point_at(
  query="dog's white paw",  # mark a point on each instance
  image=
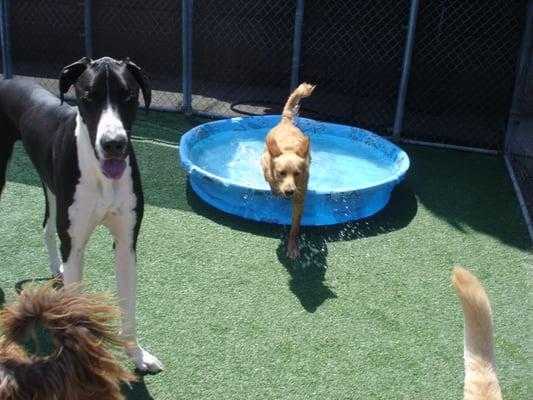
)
(143, 360)
(57, 271)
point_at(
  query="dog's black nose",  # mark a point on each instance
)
(289, 193)
(113, 147)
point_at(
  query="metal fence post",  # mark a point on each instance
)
(521, 67)
(406, 66)
(297, 44)
(187, 11)
(5, 39)
(88, 17)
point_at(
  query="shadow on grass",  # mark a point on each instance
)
(2, 298)
(469, 192)
(308, 271)
(19, 286)
(136, 390)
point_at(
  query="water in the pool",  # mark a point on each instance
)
(336, 164)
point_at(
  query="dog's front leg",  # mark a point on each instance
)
(72, 266)
(126, 273)
(292, 245)
(74, 231)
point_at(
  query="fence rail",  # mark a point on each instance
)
(439, 71)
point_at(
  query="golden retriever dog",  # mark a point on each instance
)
(286, 162)
(81, 367)
(481, 382)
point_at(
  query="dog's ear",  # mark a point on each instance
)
(71, 73)
(303, 149)
(273, 147)
(141, 79)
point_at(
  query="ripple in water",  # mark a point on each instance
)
(337, 163)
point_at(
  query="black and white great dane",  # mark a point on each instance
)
(87, 166)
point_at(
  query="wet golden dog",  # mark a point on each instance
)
(286, 162)
(481, 382)
(82, 367)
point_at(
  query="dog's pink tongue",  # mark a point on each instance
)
(113, 168)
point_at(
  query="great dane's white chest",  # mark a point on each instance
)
(101, 198)
(98, 199)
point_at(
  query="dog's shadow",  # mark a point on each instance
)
(308, 271)
(19, 286)
(136, 390)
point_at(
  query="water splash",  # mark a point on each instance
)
(337, 163)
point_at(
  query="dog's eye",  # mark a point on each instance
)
(296, 173)
(283, 173)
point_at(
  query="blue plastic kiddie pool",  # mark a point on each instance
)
(353, 171)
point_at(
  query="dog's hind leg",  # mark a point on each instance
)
(8, 136)
(6, 149)
(7, 142)
(49, 226)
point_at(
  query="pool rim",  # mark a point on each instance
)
(392, 180)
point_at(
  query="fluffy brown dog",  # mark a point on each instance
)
(81, 367)
(286, 162)
(481, 382)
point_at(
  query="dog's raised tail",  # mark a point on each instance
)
(293, 102)
(83, 331)
(481, 381)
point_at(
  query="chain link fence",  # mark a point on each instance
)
(147, 31)
(461, 76)
(462, 73)
(354, 51)
(241, 56)
(45, 36)
(457, 66)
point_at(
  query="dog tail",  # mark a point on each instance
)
(481, 381)
(293, 102)
(82, 329)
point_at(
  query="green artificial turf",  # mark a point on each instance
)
(367, 313)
